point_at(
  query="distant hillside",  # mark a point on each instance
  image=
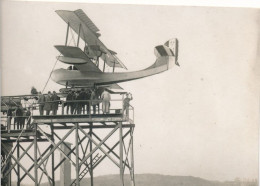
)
(154, 180)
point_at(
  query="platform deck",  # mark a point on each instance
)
(79, 118)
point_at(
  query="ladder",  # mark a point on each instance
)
(86, 169)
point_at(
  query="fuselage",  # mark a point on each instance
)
(84, 78)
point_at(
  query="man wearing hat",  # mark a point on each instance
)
(105, 96)
(82, 96)
(55, 103)
(77, 103)
(69, 104)
(126, 103)
(19, 114)
(48, 104)
(41, 102)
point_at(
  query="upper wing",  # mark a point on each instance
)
(88, 31)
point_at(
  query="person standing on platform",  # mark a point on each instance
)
(105, 96)
(19, 114)
(69, 104)
(82, 96)
(55, 104)
(98, 95)
(92, 98)
(15, 120)
(126, 104)
(88, 97)
(41, 102)
(23, 118)
(9, 117)
(74, 104)
(28, 118)
(48, 104)
(77, 103)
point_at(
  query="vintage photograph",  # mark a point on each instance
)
(130, 95)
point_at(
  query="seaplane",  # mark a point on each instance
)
(85, 69)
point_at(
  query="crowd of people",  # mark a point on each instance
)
(80, 102)
(49, 103)
(21, 117)
(77, 102)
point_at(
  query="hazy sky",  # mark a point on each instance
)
(199, 119)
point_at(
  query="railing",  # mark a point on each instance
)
(80, 107)
(19, 123)
(76, 107)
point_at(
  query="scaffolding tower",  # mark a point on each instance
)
(22, 150)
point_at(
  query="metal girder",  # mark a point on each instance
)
(44, 168)
(52, 157)
(24, 140)
(71, 151)
(56, 146)
(112, 148)
(91, 157)
(127, 164)
(18, 167)
(35, 157)
(18, 138)
(98, 146)
(77, 153)
(41, 162)
(17, 161)
(33, 164)
(127, 152)
(132, 158)
(95, 126)
(121, 153)
(81, 119)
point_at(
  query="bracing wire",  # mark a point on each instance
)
(50, 74)
(73, 37)
(56, 62)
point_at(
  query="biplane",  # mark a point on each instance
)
(87, 70)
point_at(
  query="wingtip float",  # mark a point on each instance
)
(88, 70)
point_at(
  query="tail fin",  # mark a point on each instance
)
(166, 54)
(173, 44)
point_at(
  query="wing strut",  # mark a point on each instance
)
(104, 66)
(114, 66)
(67, 34)
(79, 35)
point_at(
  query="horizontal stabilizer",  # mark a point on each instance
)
(163, 50)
